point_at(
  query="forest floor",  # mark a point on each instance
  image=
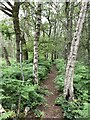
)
(50, 109)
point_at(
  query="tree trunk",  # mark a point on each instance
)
(6, 56)
(88, 41)
(19, 37)
(55, 55)
(13, 11)
(46, 56)
(24, 49)
(68, 39)
(16, 29)
(68, 83)
(52, 56)
(37, 35)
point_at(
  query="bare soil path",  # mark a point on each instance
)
(51, 111)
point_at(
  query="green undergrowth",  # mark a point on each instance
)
(79, 107)
(12, 87)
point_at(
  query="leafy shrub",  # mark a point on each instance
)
(59, 80)
(47, 64)
(73, 109)
(14, 71)
(13, 87)
(60, 65)
(6, 115)
(38, 113)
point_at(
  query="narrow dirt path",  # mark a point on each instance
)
(50, 109)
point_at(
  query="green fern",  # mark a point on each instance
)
(6, 115)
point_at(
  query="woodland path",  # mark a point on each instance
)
(50, 109)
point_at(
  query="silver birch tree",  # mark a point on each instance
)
(68, 82)
(36, 39)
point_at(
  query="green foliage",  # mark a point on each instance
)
(77, 108)
(14, 71)
(13, 87)
(6, 115)
(81, 82)
(38, 113)
(59, 82)
(60, 65)
(46, 64)
(29, 95)
(72, 109)
(6, 29)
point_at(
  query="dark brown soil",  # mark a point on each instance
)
(50, 109)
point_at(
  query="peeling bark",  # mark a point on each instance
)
(68, 83)
(2, 110)
(69, 14)
(37, 35)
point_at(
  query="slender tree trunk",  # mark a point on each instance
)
(37, 35)
(13, 11)
(17, 30)
(67, 11)
(88, 41)
(46, 56)
(6, 56)
(52, 56)
(68, 83)
(22, 74)
(55, 55)
(68, 39)
(24, 49)
(50, 28)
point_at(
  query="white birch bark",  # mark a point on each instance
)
(68, 83)
(2, 110)
(37, 35)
